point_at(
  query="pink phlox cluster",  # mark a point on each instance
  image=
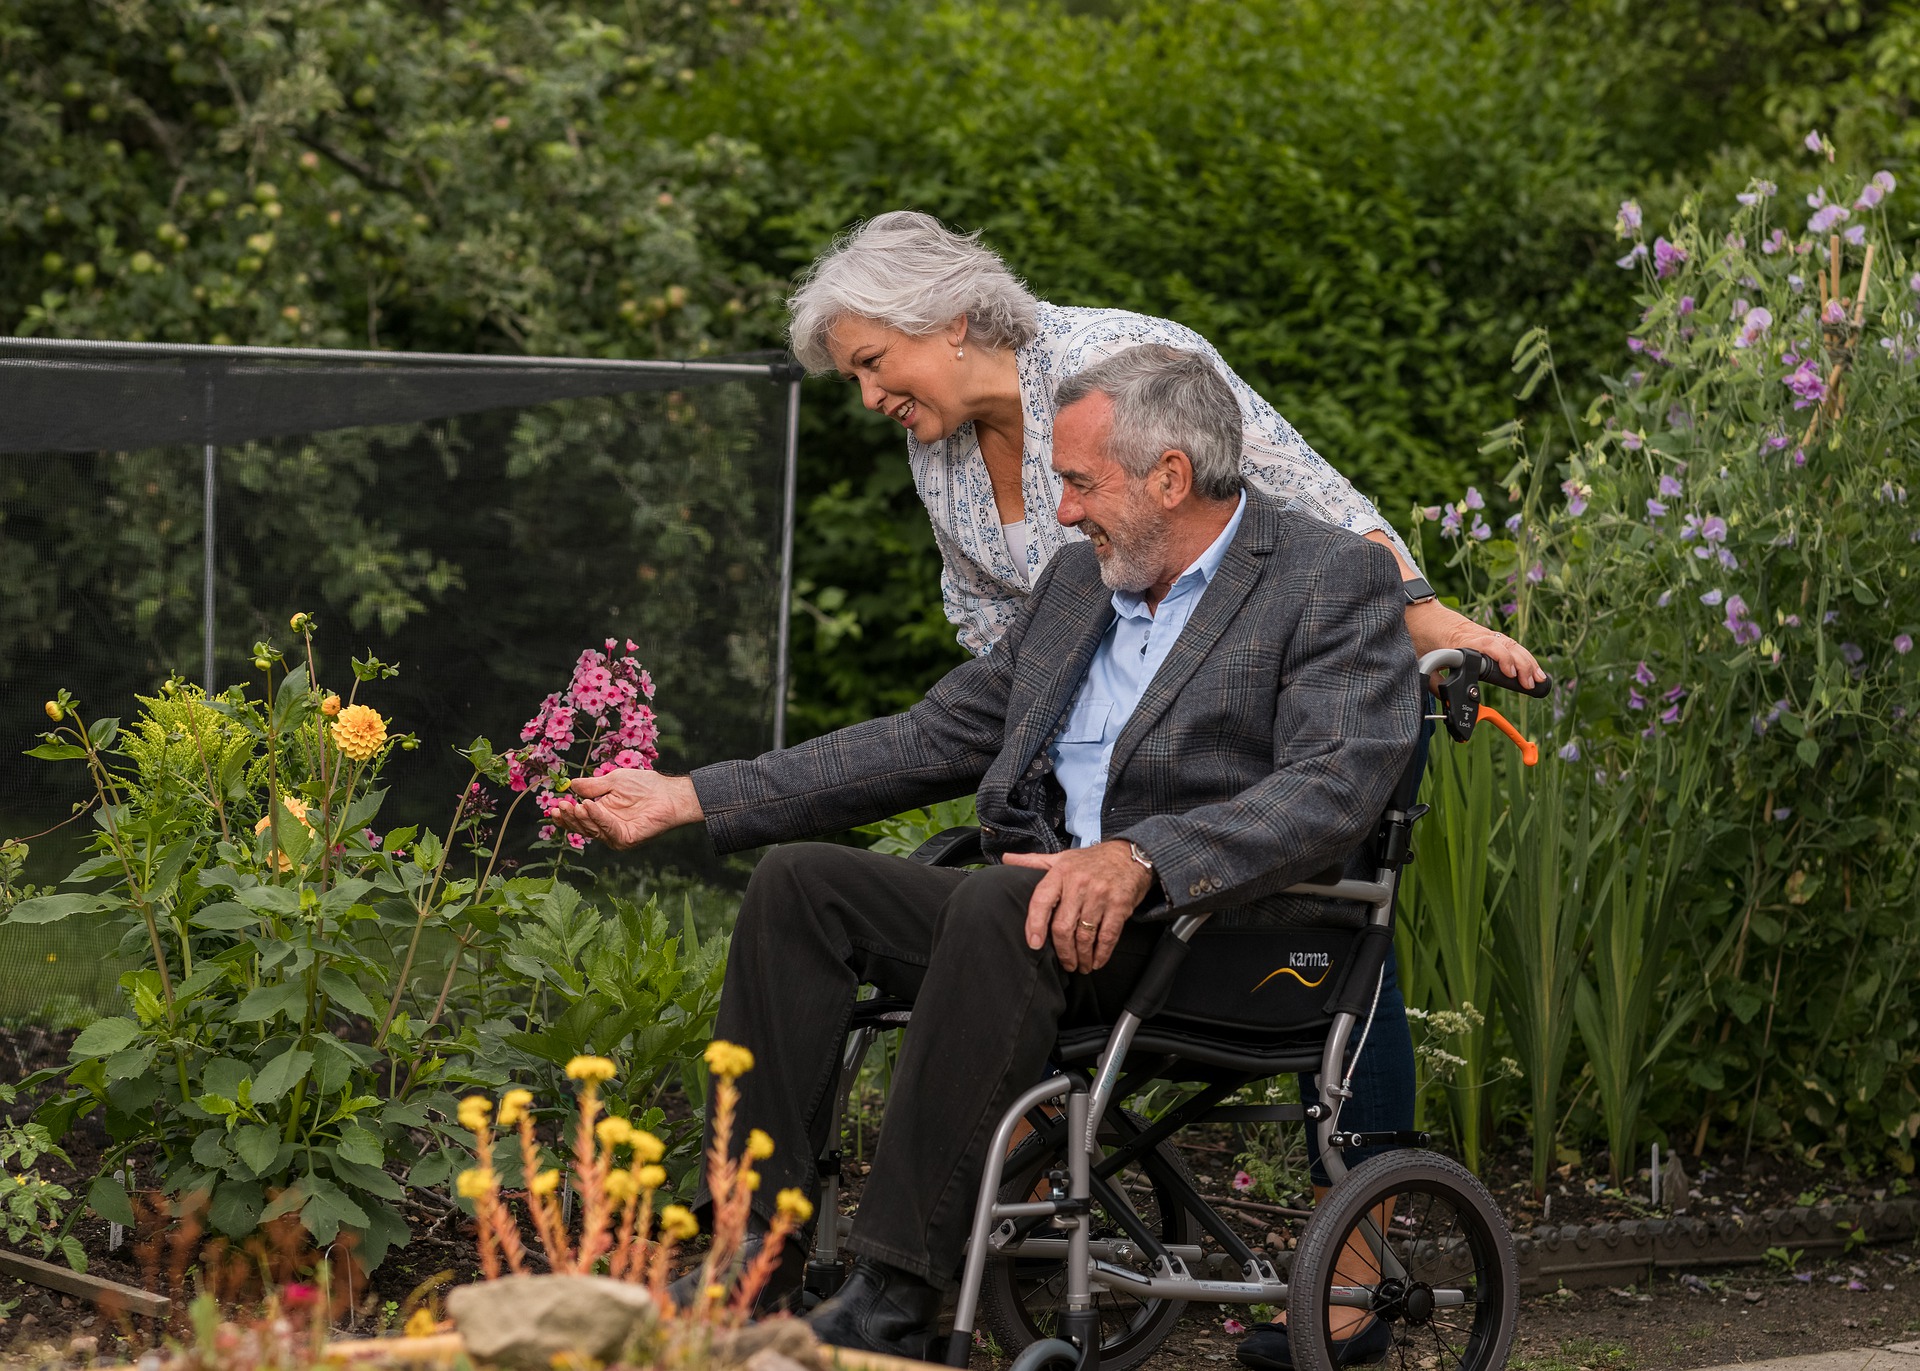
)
(606, 697)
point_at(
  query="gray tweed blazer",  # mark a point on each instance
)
(1262, 753)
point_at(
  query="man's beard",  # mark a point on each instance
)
(1136, 546)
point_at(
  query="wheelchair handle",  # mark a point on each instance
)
(1465, 661)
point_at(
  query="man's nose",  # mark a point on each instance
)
(1069, 513)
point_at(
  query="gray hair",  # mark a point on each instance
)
(1166, 398)
(908, 271)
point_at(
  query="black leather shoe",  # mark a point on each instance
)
(880, 1309)
(1267, 1349)
(781, 1293)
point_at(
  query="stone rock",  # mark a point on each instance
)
(524, 1322)
(765, 1345)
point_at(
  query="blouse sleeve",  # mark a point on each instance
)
(1274, 459)
(977, 605)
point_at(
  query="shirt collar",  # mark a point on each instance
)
(1133, 605)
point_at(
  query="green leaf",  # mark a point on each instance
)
(57, 752)
(108, 1198)
(257, 1145)
(206, 974)
(345, 993)
(368, 1178)
(125, 1065)
(75, 1254)
(328, 1207)
(290, 702)
(223, 1075)
(49, 909)
(279, 1076)
(1807, 750)
(210, 1150)
(102, 732)
(236, 1206)
(360, 1145)
(288, 1201)
(271, 899)
(225, 917)
(268, 1002)
(103, 1038)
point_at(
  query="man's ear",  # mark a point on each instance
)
(1172, 480)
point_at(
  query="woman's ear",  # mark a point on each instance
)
(956, 334)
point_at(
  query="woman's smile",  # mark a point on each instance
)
(905, 411)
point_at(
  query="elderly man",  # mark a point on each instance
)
(1205, 702)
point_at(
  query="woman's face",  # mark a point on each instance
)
(917, 382)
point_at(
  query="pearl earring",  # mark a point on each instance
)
(960, 355)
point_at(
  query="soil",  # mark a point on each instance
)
(1690, 1319)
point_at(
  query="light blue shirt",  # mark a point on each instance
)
(1135, 645)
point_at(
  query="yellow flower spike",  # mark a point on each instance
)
(359, 732)
(591, 1070)
(613, 1131)
(646, 1147)
(677, 1222)
(474, 1183)
(474, 1111)
(759, 1145)
(621, 1186)
(728, 1060)
(330, 705)
(651, 1177)
(512, 1105)
(545, 1183)
(794, 1204)
(716, 1291)
(420, 1324)
(750, 1179)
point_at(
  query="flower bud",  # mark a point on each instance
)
(54, 712)
(261, 664)
(301, 622)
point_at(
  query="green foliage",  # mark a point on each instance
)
(31, 1207)
(903, 834)
(311, 993)
(1735, 718)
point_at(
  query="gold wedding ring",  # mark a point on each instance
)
(1085, 924)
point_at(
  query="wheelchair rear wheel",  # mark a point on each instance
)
(1022, 1296)
(1415, 1241)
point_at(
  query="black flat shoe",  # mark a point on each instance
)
(781, 1293)
(1267, 1348)
(880, 1309)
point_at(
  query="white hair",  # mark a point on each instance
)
(909, 272)
(1166, 398)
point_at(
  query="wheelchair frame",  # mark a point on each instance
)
(1003, 1228)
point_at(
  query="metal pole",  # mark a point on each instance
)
(207, 483)
(783, 648)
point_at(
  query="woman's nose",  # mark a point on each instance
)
(871, 395)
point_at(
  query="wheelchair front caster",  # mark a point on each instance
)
(1412, 1241)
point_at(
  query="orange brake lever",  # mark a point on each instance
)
(1529, 753)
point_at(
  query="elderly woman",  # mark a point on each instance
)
(943, 338)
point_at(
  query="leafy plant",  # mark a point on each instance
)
(31, 1207)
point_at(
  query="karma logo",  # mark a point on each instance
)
(1311, 961)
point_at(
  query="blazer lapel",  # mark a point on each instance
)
(1239, 573)
(1059, 664)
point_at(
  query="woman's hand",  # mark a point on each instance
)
(1432, 625)
(627, 807)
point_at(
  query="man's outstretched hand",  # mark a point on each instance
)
(1085, 899)
(627, 807)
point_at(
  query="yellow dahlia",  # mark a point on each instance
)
(727, 1059)
(592, 1070)
(359, 732)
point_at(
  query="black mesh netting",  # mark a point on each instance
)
(477, 524)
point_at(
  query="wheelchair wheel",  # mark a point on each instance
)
(1021, 1298)
(1416, 1240)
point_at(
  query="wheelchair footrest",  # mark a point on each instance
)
(1401, 1138)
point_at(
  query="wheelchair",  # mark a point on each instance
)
(1089, 1236)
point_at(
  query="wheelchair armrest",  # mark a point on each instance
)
(953, 847)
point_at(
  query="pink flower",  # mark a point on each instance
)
(1903, 643)
(1805, 383)
(1667, 258)
(1627, 222)
(1233, 1328)
(1814, 142)
(1242, 1181)
(298, 1296)
(1825, 219)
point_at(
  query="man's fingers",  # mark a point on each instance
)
(1040, 908)
(591, 787)
(1042, 861)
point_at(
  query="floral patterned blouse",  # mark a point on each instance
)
(979, 582)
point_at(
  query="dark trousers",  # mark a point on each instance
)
(819, 921)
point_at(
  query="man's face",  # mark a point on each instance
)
(1127, 528)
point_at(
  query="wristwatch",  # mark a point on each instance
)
(1417, 590)
(1133, 851)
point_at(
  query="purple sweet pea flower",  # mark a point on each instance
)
(1635, 700)
(1672, 716)
(1670, 488)
(1761, 189)
(1814, 142)
(1676, 695)
(1510, 608)
(1712, 597)
(1727, 559)
(1627, 223)
(1479, 532)
(1513, 523)
(1754, 326)
(1666, 598)
(1450, 523)
(1536, 573)
(1667, 258)
(1852, 653)
(1633, 258)
(1913, 283)
(1644, 674)
(1857, 235)
(1571, 752)
(1903, 643)
(1830, 616)
(1577, 494)
(1791, 621)
(1686, 305)
(1474, 499)
(1817, 197)
(1655, 510)
(1775, 242)
(1714, 529)
(1632, 441)
(1782, 814)
(1799, 457)
(1805, 383)
(1833, 313)
(1824, 220)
